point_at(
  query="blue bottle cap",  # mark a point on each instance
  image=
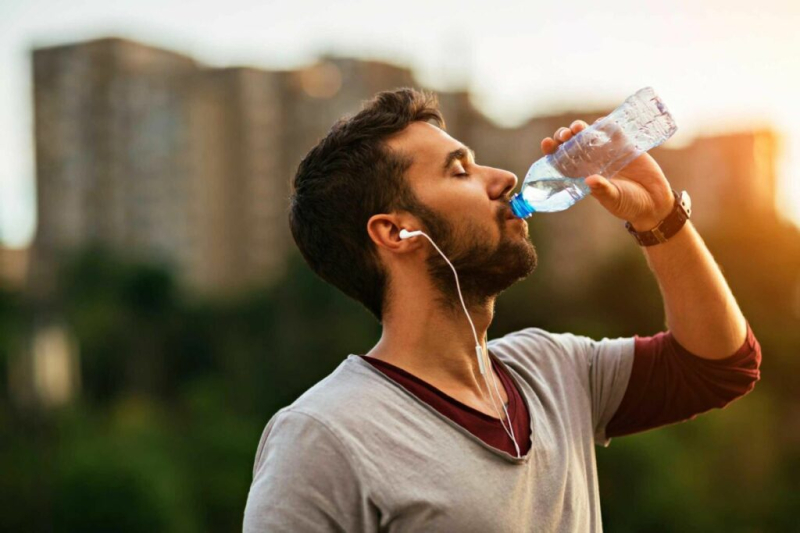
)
(521, 207)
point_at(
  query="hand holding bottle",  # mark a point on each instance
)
(601, 151)
(638, 193)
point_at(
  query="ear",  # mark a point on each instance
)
(384, 230)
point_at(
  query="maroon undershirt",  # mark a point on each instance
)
(485, 427)
(667, 384)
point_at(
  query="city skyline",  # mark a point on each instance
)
(517, 61)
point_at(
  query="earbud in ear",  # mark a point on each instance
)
(405, 234)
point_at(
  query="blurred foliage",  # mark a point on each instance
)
(176, 390)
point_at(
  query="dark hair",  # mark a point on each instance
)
(348, 177)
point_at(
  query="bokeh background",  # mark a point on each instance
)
(154, 312)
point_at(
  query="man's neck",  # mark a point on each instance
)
(436, 344)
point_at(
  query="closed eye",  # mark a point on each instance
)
(463, 173)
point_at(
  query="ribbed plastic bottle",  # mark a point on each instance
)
(556, 181)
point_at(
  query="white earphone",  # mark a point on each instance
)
(406, 234)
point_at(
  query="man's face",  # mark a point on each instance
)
(464, 208)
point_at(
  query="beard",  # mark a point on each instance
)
(484, 270)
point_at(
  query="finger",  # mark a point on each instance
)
(548, 145)
(578, 126)
(562, 134)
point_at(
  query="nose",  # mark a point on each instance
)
(502, 182)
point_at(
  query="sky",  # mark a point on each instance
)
(719, 65)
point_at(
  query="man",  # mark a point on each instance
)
(406, 437)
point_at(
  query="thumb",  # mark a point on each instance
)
(602, 189)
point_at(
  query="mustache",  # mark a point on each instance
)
(503, 211)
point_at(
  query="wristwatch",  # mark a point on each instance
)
(669, 226)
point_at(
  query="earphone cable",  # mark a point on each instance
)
(481, 353)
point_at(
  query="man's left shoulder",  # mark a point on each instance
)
(536, 347)
(537, 342)
(529, 347)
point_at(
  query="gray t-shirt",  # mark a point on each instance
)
(358, 452)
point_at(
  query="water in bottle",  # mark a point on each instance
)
(556, 181)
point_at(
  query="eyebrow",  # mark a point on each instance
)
(458, 154)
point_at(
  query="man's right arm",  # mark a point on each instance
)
(303, 480)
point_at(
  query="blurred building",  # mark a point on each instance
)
(111, 162)
(147, 152)
(732, 178)
(234, 123)
(157, 156)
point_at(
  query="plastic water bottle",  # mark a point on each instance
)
(556, 181)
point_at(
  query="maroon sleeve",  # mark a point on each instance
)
(670, 384)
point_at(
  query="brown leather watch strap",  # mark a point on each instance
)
(668, 227)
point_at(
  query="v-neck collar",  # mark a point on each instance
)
(522, 387)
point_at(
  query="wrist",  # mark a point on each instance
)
(646, 224)
(649, 231)
(662, 210)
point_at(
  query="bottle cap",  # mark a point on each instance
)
(521, 207)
